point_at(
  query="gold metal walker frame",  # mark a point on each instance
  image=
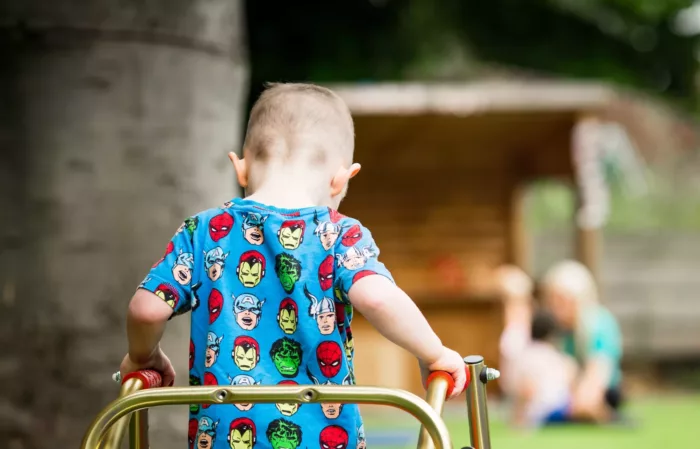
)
(142, 390)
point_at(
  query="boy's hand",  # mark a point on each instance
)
(158, 362)
(450, 362)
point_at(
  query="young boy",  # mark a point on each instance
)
(271, 282)
(543, 376)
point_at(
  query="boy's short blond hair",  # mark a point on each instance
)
(293, 118)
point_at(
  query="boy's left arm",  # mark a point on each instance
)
(145, 324)
(166, 291)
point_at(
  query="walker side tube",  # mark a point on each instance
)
(477, 412)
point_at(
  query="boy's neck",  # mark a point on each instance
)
(282, 199)
(283, 191)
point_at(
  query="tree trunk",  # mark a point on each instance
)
(115, 120)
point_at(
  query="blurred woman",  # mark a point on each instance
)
(592, 335)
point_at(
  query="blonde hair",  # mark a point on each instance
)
(577, 282)
(297, 116)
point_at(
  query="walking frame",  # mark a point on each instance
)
(142, 390)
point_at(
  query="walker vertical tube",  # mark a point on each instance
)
(440, 386)
(113, 439)
(476, 401)
(138, 430)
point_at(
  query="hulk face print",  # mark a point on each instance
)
(286, 355)
(288, 271)
(284, 434)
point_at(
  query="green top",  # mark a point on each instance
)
(604, 340)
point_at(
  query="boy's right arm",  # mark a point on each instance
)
(396, 317)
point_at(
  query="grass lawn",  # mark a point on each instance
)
(661, 423)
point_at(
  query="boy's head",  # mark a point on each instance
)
(302, 129)
(544, 326)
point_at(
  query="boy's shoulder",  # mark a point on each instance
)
(320, 217)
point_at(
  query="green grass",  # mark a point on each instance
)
(665, 423)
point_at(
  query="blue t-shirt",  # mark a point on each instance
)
(603, 339)
(267, 288)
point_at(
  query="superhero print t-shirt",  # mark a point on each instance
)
(267, 291)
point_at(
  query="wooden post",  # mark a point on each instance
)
(592, 197)
(517, 236)
(519, 170)
(587, 247)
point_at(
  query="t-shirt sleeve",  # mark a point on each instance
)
(171, 277)
(605, 339)
(356, 256)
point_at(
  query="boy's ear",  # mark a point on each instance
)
(342, 177)
(241, 168)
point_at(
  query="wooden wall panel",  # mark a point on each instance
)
(437, 194)
(470, 328)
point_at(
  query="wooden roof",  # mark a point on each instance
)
(532, 112)
(474, 98)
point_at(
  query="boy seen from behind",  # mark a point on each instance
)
(271, 282)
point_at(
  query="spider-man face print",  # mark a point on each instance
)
(335, 215)
(192, 432)
(329, 357)
(351, 236)
(216, 302)
(168, 294)
(191, 353)
(209, 379)
(220, 226)
(325, 273)
(333, 437)
(169, 249)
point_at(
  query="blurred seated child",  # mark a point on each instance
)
(542, 376)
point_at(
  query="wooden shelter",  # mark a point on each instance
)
(443, 173)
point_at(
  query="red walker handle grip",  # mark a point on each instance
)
(448, 377)
(149, 378)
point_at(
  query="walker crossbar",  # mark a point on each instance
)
(142, 390)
